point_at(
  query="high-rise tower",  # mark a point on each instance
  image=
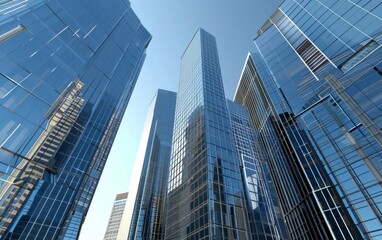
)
(67, 71)
(148, 215)
(205, 193)
(312, 88)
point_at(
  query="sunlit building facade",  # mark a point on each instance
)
(313, 91)
(113, 225)
(266, 219)
(67, 71)
(148, 216)
(205, 198)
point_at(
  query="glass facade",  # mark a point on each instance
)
(113, 225)
(313, 87)
(148, 217)
(265, 215)
(205, 198)
(67, 71)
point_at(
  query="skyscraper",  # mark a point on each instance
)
(266, 220)
(148, 215)
(113, 225)
(145, 212)
(67, 71)
(312, 88)
(205, 198)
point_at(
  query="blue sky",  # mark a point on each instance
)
(172, 24)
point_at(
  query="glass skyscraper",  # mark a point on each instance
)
(313, 91)
(148, 215)
(205, 198)
(67, 71)
(266, 219)
(113, 225)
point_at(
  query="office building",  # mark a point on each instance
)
(148, 216)
(113, 225)
(205, 198)
(67, 71)
(266, 219)
(313, 91)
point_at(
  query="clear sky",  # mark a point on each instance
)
(172, 23)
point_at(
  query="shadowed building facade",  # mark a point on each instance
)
(67, 71)
(312, 88)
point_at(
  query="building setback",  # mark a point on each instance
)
(312, 88)
(205, 198)
(148, 216)
(67, 71)
(113, 225)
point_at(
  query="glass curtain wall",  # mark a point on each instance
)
(265, 215)
(205, 198)
(148, 217)
(67, 71)
(319, 64)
